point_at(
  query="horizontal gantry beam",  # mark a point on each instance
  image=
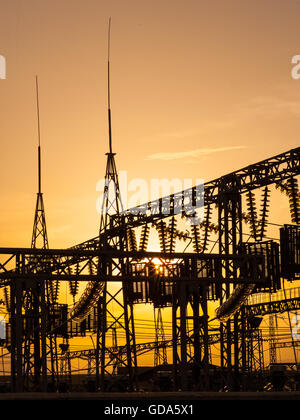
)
(282, 301)
(83, 265)
(269, 308)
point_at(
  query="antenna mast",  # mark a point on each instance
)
(34, 347)
(111, 203)
(39, 136)
(108, 88)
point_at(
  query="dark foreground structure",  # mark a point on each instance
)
(156, 397)
(234, 274)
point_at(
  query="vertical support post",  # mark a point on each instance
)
(183, 336)
(230, 238)
(43, 334)
(16, 335)
(175, 337)
(102, 333)
(100, 383)
(205, 361)
(130, 339)
(28, 332)
(196, 338)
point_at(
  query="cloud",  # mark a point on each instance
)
(256, 108)
(268, 106)
(191, 153)
(61, 229)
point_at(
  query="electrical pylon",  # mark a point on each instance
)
(28, 309)
(112, 205)
(40, 240)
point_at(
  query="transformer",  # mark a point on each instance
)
(270, 251)
(290, 252)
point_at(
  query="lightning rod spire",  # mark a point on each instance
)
(108, 87)
(39, 136)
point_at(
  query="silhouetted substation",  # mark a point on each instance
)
(245, 276)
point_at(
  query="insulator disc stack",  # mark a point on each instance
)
(50, 291)
(251, 205)
(294, 199)
(264, 212)
(131, 240)
(196, 239)
(172, 232)
(144, 239)
(54, 290)
(208, 228)
(163, 235)
(7, 298)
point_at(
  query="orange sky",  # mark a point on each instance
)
(185, 76)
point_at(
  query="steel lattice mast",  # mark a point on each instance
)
(49, 291)
(112, 203)
(39, 234)
(112, 206)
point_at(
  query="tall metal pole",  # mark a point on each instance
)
(230, 238)
(112, 205)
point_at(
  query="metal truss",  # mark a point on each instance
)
(29, 269)
(185, 280)
(37, 264)
(287, 344)
(267, 172)
(282, 301)
(252, 337)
